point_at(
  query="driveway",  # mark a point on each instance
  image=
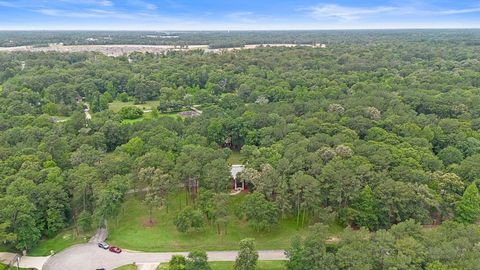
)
(6, 257)
(90, 256)
(25, 261)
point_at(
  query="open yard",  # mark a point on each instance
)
(132, 233)
(116, 105)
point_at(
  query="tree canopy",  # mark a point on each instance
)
(378, 128)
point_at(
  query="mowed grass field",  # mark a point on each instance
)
(116, 105)
(133, 232)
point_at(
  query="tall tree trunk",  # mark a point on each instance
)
(75, 226)
(188, 192)
(298, 210)
(84, 199)
(150, 215)
(180, 202)
(303, 218)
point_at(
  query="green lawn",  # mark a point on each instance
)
(4, 267)
(235, 158)
(147, 116)
(144, 117)
(261, 265)
(58, 243)
(127, 267)
(116, 105)
(132, 233)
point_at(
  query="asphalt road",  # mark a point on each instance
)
(90, 257)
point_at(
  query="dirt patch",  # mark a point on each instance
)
(333, 239)
(147, 223)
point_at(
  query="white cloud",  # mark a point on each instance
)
(88, 13)
(459, 11)
(105, 3)
(351, 13)
(8, 4)
(346, 12)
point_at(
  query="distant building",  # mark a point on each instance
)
(189, 114)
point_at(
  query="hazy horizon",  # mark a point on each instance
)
(208, 15)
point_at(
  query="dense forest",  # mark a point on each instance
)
(225, 39)
(378, 132)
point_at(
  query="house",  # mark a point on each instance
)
(189, 114)
(235, 170)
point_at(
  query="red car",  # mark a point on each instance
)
(115, 249)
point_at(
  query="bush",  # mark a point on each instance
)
(261, 213)
(177, 262)
(131, 112)
(197, 260)
(188, 218)
(123, 97)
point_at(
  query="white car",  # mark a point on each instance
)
(103, 245)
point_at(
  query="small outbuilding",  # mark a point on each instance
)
(235, 170)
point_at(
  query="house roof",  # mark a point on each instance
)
(235, 169)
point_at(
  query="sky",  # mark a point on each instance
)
(236, 15)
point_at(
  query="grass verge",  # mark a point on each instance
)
(127, 267)
(5, 267)
(261, 265)
(58, 243)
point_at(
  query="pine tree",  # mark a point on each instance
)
(468, 208)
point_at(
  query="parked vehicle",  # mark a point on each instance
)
(103, 245)
(115, 249)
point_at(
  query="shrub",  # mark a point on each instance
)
(131, 112)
